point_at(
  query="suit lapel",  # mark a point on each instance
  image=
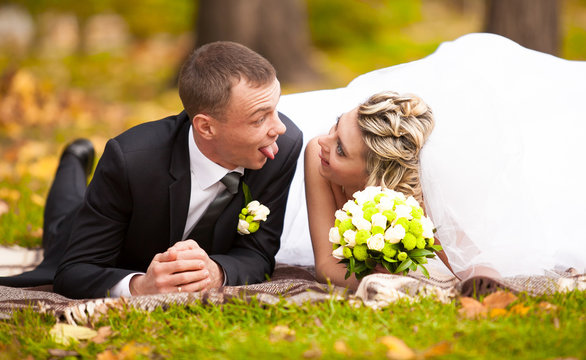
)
(180, 189)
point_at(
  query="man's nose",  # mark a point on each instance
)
(277, 128)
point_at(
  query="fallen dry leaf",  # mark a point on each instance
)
(107, 355)
(438, 349)
(4, 208)
(281, 332)
(519, 309)
(497, 312)
(131, 350)
(341, 348)
(472, 308)
(499, 300)
(65, 333)
(313, 352)
(544, 305)
(103, 334)
(9, 194)
(62, 353)
(396, 348)
(38, 200)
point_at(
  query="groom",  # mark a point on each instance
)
(147, 225)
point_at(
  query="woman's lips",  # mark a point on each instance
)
(324, 162)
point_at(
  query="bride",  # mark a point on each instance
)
(500, 174)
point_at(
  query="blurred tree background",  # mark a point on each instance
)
(94, 68)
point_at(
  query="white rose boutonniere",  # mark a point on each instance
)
(252, 214)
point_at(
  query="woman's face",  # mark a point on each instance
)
(343, 153)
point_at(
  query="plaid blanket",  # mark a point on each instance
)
(292, 284)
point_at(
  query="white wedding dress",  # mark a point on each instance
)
(504, 171)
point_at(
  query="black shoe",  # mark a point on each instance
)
(83, 150)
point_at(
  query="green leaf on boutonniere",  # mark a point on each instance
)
(247, 194)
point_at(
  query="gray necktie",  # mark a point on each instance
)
(203, 232)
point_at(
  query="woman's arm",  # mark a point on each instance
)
(321, 206)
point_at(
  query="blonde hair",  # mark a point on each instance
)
(394, 128)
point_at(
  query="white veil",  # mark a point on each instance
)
(502, 173)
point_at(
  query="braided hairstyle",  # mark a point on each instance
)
(394, 128)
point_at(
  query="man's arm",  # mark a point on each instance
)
(87, 269)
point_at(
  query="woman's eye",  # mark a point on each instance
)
(339, 149)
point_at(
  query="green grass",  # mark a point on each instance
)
(242, 330)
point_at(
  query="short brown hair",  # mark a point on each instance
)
(207, 77)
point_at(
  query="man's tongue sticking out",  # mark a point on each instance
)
(270, 150)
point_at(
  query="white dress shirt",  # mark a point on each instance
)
(205, 186)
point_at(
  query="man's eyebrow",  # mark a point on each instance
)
(261, 110)
(264, 108)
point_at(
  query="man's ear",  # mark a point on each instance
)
(203, 125)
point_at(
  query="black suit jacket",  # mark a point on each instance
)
(137, 202)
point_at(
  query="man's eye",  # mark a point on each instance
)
(339, 149)
(260, 121)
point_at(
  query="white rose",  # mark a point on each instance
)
(334, 235)
(361, 223)
(395, 234)
(261, 213)
(352, 208)
(427, 227)
(386, 203)
(243, 227)
(391, 193)
(376, 242)
(412, 202)
(367, 194)
(404, 211)
(341, 215)
(253, 206)
(338, 253)
(350, 237)
(379, 220)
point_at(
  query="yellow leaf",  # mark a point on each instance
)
(65, 333)
(38, 200)
(312, 353)
(396, 348)
(132, 350)
(520, 309)
(103, 333)
(438, 349)
(281, 332)
(341, 348)
(4, 208)
(107, 355)
(44, 168)
(9, 194)
(497, 312)
(499, 300)
(472, 308)
(544, 305)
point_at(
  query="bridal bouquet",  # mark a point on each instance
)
(382, 226)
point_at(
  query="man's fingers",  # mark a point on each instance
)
(185, 245)
(192, 254)
(171, 267)
(167, 256)
(186, 278)
(196, 286)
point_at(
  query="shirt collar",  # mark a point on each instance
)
(208, 172)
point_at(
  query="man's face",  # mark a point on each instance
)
(247, 132)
